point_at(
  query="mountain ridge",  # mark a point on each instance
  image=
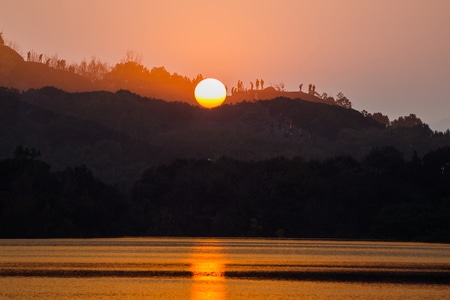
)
(124, 133)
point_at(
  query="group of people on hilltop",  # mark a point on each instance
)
(311, 89)
(259, 84)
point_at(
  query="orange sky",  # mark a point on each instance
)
(384, 55)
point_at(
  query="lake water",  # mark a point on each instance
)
(191, 268)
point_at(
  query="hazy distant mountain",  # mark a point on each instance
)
(441, 125)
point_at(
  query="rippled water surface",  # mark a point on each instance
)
(172, 268)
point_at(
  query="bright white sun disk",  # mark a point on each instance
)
(210, 93)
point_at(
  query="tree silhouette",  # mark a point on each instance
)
(280, 87)
(93, 70)
(407, 121)
(131, 56)
(128, 73)
(343, 101)
(380, 118)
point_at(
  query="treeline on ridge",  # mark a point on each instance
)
(382, 196)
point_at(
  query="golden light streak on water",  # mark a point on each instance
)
(208, 271)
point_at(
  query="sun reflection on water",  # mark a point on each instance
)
(208, 271)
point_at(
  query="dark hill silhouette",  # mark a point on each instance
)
(65, 140)
(121, 134)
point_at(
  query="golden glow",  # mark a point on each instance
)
(210, 93)
(208, 272)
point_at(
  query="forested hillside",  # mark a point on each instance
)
(383, 196)
(119, 135)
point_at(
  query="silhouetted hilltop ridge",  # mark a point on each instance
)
(271, 93)
(17, 73)
(38, 71)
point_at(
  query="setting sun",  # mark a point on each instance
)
(210, 93)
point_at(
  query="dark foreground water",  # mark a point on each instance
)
(172, 268)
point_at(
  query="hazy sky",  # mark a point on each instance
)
(391, 56)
